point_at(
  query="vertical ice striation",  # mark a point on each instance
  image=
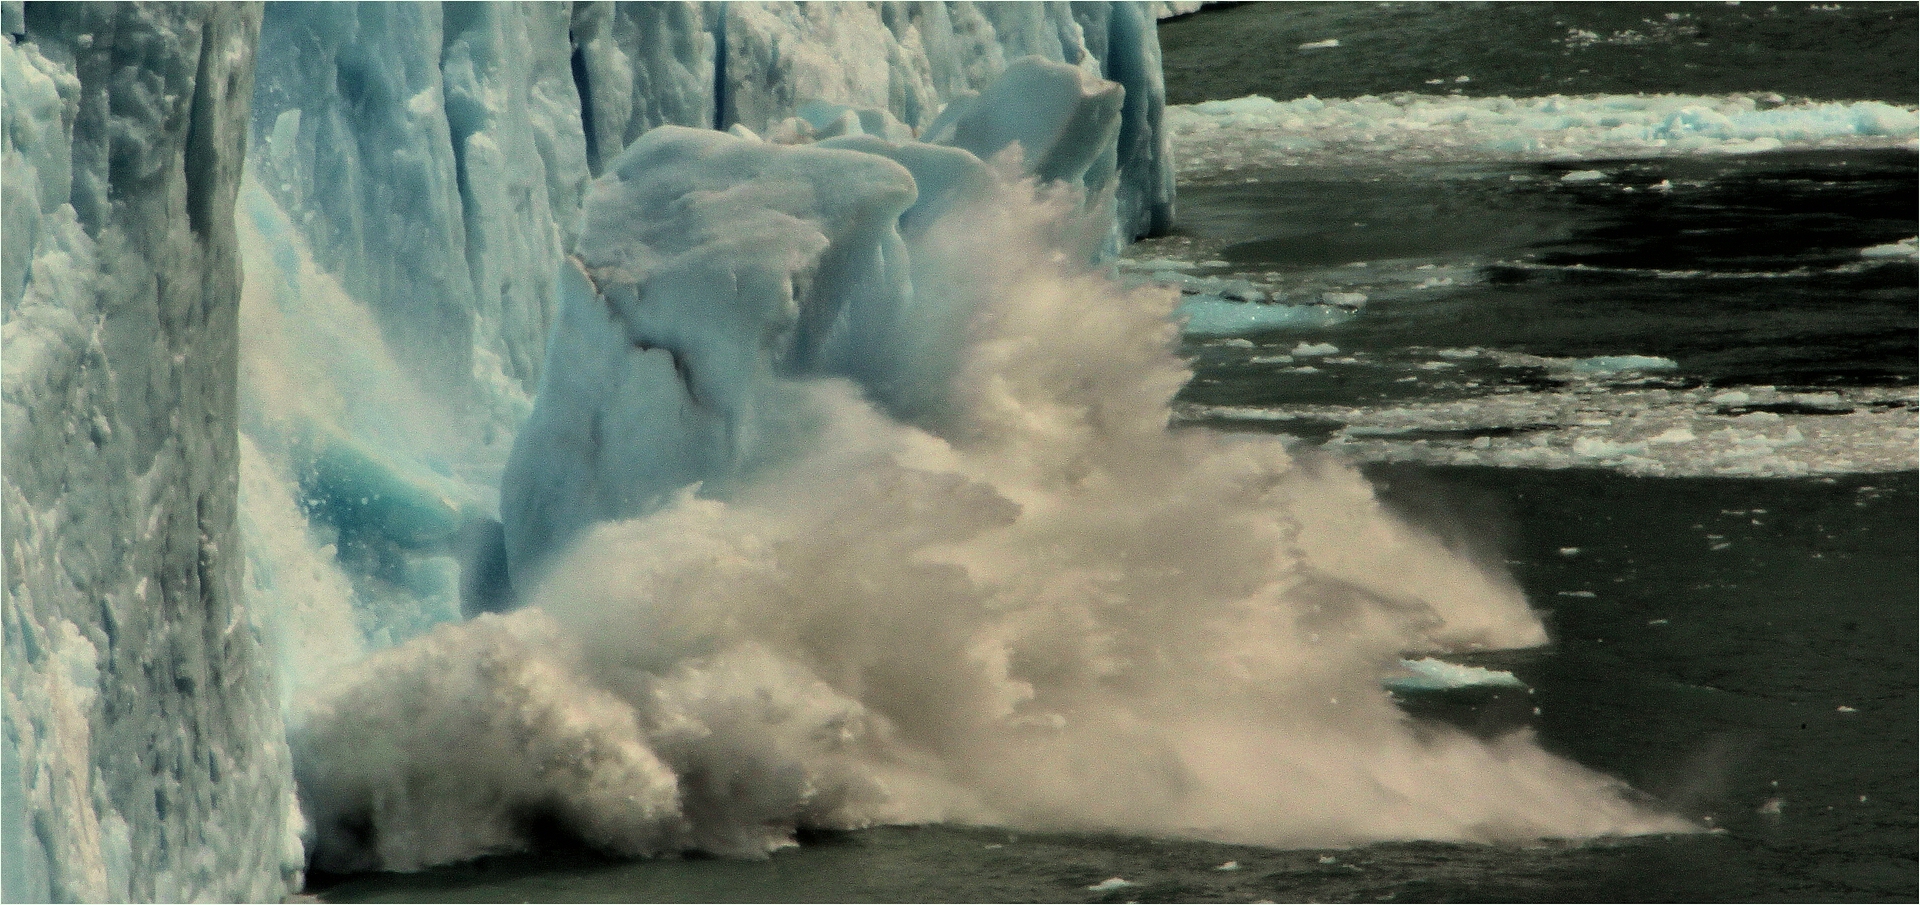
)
(913, 59)
(435, 156)
(441, 150)
(145, 757)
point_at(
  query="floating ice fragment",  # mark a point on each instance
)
(1429, 674)
(1569, 551)
(1205, 316)
(1731, 397)
(1582, 594)
(1230, 865)
(1311, 350)
(1583, 176)
(1845, 709)
(1320, 45)
(1656, 622)
(1110, 884)
(1613, 364)
(1344, 299)
(1905, 248)
(1329, 859)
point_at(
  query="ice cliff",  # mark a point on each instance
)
(144, 755)
(442, 151)
(414, 177)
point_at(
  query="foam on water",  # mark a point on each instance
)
(1216, 137)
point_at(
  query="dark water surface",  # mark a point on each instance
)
(1742, 270)
(1822, 51)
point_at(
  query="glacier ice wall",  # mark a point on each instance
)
(145, 757)
(429, 162)
(415, 172)
(436, 154)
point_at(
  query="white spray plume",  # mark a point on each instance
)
(1043, 608)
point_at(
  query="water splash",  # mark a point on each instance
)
(1037, 607)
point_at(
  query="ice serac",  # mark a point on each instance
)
(144, 754)
(913, 59)
(708, 264)
(711, 266)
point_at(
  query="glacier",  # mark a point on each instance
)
(144, 751)
(411, 181)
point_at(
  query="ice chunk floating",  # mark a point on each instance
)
(849, 498)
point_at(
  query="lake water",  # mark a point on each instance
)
(1671, 393)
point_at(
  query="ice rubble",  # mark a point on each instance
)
(1225, 135)
(144, 753)
(1656, 431)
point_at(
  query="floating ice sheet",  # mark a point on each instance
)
(1255, 131)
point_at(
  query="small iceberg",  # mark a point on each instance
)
(1429, 674)
(1905, 248)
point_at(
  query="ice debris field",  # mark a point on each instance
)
(1218, 137)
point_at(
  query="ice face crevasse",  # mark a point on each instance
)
(144, 755)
